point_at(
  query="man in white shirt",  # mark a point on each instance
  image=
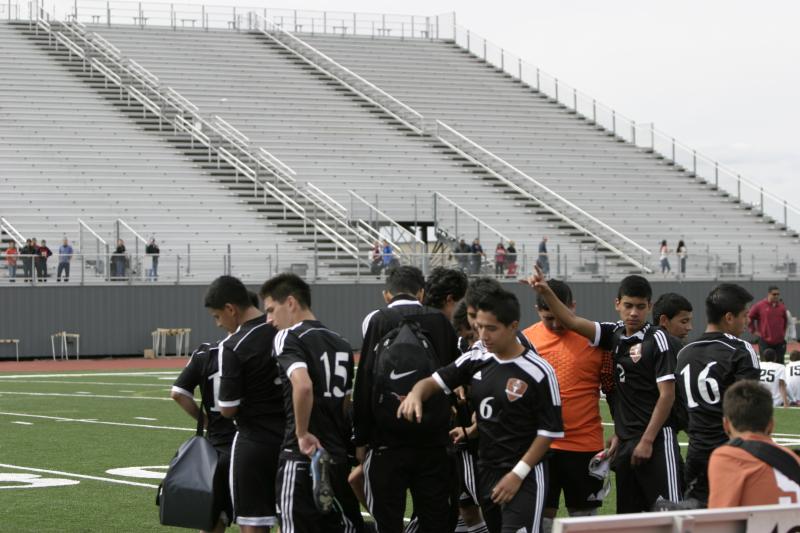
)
(772, 376)
(792, 378)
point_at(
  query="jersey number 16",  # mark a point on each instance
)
(706, 385)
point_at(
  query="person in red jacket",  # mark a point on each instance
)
(11, 260)
(768, 323)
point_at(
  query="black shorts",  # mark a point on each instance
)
(296, 508)
(524, 512)
(638, 487)
(468, 482)
(696, 473)
(569, 471)
(222, 492)
(254, 464)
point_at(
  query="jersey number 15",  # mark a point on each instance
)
(339, 368)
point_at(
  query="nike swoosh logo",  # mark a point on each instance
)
(393, 375)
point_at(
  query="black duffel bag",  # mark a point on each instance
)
(186, 496)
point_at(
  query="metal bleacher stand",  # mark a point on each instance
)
(64, 339)
(760, 519)
(15, 342)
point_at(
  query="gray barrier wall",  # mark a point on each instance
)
(117, 320)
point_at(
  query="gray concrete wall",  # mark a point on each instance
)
(117, 320)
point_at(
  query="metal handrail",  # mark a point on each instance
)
(542, 186)
(472, 216)
(93, 232)
(135, 233)
(276, 161)
(327, 199)
(376, 91)
(6, 226)
(235, 133)
(552, 210)
(386, 217)
(337, 238)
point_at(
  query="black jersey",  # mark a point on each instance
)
(328, 358)
(202, 371)
(641, 362)
(515, 400)
(249, 379)
(375, 326)
(706, 368)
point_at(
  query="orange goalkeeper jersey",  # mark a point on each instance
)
(580, 369)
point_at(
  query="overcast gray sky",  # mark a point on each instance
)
(718, 75)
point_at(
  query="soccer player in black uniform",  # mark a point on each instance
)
(516, 397)
(317, 374)
(673, 313)
(644, 449)
(705, 370)
(203, 371)
(477, 291)
(395, 462)
(250, 392)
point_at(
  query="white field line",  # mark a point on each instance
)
(85, 395)
(120, 384)
(146, 419)
(79, 476)
(95, 421)
(21, 423)
(91, 375)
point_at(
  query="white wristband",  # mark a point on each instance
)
(521, 469)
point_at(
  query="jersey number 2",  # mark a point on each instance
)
(706, 385)
(339, 369)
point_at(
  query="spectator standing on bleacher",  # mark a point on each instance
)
(387, 254)
(65, 252)
(663, 257)
(768, 323)
(544, 259)
(462, 255)
(511, 259)
(152, 250)
(43, 253)
(27, 253)
(683, 255)
(477, 256)
(11, 260)
(500, 259)
(118, 261)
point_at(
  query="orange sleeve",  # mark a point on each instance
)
(726, 479)
(606, 373)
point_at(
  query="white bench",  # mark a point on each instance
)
(15, 342)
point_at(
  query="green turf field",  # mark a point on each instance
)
(60, 427)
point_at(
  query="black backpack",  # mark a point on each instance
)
(404, 356)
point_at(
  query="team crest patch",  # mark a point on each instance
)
(636, 352)
(515, 389)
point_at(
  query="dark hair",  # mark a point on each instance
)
(773, 288)
(227, 290)
(460, 320)
(769, 355)
(635, 286)
(663, 243)
(681, 244)
(284, 285)
(254, 299)
(443, 282)
(479, 289)
(405, 279)
(503, 305)
(562, 292)
(726, 298)
(670, 304)
(795, 355)
(748, 406)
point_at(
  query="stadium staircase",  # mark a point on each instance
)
(97, 163)
(641, 193)
(339, 138)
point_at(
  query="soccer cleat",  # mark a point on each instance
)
(322, 489)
